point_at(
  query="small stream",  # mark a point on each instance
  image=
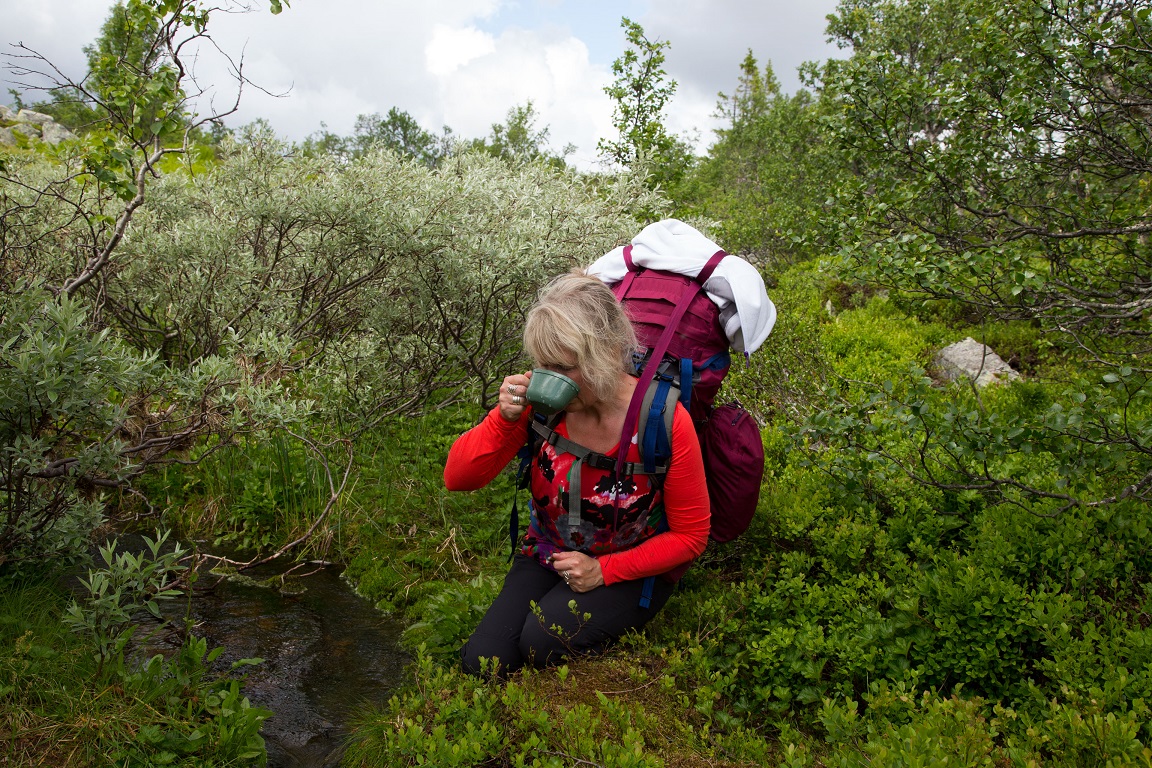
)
(326, 652)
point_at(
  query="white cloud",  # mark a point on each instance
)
(430, 60)
(463, 63)
(58, 30)
(551, 71)
(449, 49)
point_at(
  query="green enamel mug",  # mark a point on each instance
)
(550, 392)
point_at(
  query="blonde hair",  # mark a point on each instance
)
(576, 318)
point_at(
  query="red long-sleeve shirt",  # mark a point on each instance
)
(480, 454)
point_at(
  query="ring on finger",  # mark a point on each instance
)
(516, 399)
(511, 389)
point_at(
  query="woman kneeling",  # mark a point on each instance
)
(576, 584)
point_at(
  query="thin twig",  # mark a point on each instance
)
(632, 690)
(575, 760)
(335, 491)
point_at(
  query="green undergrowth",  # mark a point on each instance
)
(418, 548)
(249, 496)
(60, 707)
(621, 710)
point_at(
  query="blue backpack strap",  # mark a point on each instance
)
(656, 415)
(664, 443)
(651, 419)
(657, 446)
(717, 362)
(649, 585)
(523, 474)
(646, 592)
(685, 380)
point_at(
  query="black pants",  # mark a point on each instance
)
(512, 635)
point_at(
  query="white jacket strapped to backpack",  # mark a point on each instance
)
(736, 287)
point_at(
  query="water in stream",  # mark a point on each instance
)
(325, 650)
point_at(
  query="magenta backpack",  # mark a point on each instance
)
(678, 327)
(698, 345)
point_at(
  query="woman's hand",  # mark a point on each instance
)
(513, 395)
(582, 572)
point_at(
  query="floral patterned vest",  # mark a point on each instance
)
(614, 516)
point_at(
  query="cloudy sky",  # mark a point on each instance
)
(461, 63)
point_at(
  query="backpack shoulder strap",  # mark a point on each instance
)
(656, 414)
(621, 288)
(649, 372)
(526, 452)
(547, 430)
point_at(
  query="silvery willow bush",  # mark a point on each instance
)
(81, 413)
(391, 281)
(244, 294)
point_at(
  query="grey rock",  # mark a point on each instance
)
(971, 359)
(34, 125)
(36, 118)
(54, 133)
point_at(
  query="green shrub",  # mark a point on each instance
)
(58, 708)
(126, 586)
(917, 731)
(61, 415)
(878, 342)
(448, 614)
(610, 712)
